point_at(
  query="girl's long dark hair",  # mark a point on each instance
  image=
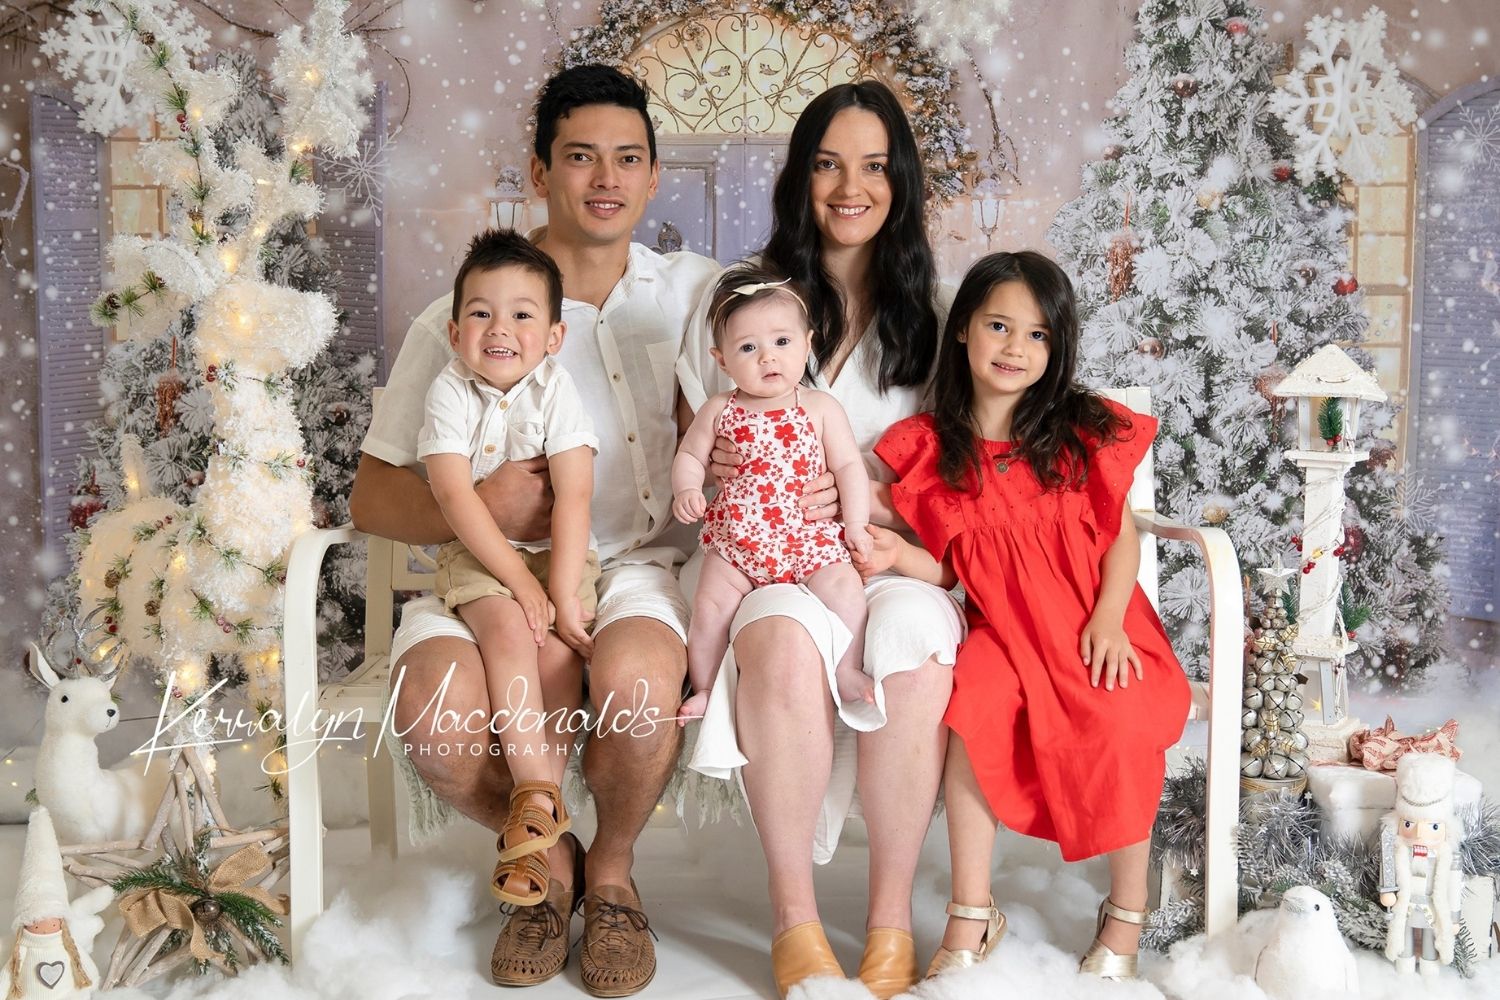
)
(1054, 416)
(904, 271)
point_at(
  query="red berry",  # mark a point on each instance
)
(113, 629)
(108, 620)
(301, 463)
(1350, 633)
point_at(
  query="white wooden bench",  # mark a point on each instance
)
(389, 571)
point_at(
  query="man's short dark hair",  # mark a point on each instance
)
(579, 87)
(496, 248)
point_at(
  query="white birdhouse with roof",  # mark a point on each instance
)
(1329, 388)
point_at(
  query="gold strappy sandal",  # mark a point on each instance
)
(960, 958)
(1099, 960)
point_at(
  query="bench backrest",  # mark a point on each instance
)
(1142, 495)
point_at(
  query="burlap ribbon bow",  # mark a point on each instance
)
(147, 909)
(1379, 749)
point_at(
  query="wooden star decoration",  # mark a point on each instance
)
(188, 821)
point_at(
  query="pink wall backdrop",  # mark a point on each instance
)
(471, 71)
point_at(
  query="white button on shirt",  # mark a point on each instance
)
(621, 359)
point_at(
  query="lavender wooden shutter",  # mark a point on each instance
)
(68, 208)
(1456, 352)
(352, 227)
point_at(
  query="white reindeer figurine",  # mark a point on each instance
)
(89, 804)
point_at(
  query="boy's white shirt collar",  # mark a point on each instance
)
(541, 375)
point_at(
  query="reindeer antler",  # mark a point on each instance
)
(102, 653)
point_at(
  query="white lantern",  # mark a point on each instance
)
(1329, 382)
(1328, 388)
(508, 199)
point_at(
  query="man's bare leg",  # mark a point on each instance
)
(626, 771)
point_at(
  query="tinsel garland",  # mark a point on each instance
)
(1279, 846)
(877, 27)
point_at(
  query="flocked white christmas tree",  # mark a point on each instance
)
(181, 583)
(1206, 271)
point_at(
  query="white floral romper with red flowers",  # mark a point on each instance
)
(755, 523)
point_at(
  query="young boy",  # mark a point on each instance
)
(506, 398)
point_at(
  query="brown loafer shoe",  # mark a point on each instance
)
(617, 957)
(533, 944)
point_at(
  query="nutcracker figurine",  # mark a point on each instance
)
(1421, 881)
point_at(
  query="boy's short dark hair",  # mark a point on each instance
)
(496, 248)
(579, 87)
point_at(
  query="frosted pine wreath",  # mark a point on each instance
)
(884, 34)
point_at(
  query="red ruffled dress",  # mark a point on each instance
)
(1055, 757)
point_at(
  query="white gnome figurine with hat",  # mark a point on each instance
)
(1421, 879)
(53, 936)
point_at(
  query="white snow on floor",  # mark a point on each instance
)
(424, 928)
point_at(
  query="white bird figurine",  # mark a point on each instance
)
(1306, 955)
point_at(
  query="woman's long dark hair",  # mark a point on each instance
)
(1054, 416)
(904, 272)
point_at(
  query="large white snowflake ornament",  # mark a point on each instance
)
(95, 46)
(1337, 106)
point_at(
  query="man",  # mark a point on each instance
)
(626, 309)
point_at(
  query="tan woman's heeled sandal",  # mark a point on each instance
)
(1099, 960)
(960, 958)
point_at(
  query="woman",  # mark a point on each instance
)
(848, 226)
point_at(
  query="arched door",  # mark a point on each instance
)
(725, 90)
(1455, 418)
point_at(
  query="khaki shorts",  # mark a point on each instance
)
(462, 578)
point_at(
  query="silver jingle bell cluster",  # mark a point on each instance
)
(1273, 745)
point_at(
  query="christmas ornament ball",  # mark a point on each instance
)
(1184, 85)
(1345, 284)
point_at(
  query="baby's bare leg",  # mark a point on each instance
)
(721, 587)
(840, 587)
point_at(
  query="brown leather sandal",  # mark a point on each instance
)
(530, 828)
(534, 870)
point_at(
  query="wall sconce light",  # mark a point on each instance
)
(508, 198)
